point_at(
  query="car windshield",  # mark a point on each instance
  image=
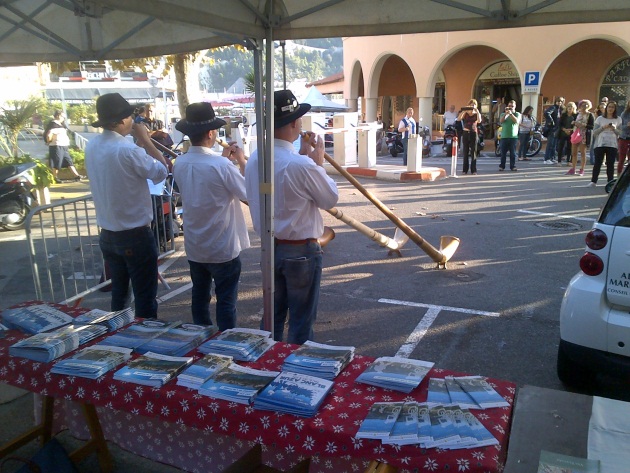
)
(617, 209)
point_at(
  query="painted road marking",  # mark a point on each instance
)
(427, 320)
(546, 214)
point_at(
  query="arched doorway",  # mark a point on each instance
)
(616, 83)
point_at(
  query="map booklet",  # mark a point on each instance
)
(405, 430)
(294, 393)
(380, 420)
(482, 393)
(92, 362)
(318, 359)
(139, 333)
(443, 431)
(35, 318)
(47, 346)
(438, 393)
(556, 463)
(243, 344)
(237, 383)
(112, 320)
(399, 374)
(458, 395)
(178, 340)
(198, 373)
(152, 369)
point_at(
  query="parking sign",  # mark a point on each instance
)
(532, 82)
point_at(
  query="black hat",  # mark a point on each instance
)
(286, 108)
(111, 108)
(200, 117)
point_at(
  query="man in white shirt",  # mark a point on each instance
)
(56, 136)
(450, 116)
(407, 127)
(118, 171)
(212, 187)
(302, 187)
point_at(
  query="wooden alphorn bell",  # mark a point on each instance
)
(448, 244)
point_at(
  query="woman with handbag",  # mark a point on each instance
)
(581, 136)
(605, 133)
(525, 129)
(564, 132)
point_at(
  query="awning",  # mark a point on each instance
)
(86, 95)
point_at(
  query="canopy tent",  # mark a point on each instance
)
(73, 30)
(133, 95)
(319, 103)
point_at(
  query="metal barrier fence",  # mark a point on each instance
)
(63, 241)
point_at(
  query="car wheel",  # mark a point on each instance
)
(573, 374)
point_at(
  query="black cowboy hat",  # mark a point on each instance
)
(111, 108)
(200, 117)
(286, 108)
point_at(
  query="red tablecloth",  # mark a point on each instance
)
(328, 434)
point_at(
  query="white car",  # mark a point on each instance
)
(595, 312)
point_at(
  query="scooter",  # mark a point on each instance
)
(394, 143)
(425, 133)
(449, 133)
(17, 195)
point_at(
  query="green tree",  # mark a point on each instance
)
(15, 116)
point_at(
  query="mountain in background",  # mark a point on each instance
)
(310, 59)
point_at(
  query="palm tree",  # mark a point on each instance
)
(14, 117)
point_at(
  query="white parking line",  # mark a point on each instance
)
(427, 320)
(174, 293)
(546, 214)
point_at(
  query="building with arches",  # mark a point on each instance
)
(431, 71)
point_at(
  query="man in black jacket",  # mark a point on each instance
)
(552, 124)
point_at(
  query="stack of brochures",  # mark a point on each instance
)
(197, 374)
(48, 346)
(294, 393)
(392, 372)
(317, 359)
(35, 318)
(411, 423)
(92, 362)
(471, 392)
(112, 320)
(237, 383)
(243, 344)
(152, 369)
(138, 334)
(178, 340)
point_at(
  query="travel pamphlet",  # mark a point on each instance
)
(178, 340)
(112, 320)
(438, 393)
(92, 362)
(243, 344)
(237, 383)
(470, 392)
(47, 346)
(443, 431)
(380, 420)
(294, 393)
(139, 333)
(458, 396)
(396, 373)
(556, 463)
(405, 430)
(35, 318)
(318, 359)
(482, 393)
(152, 369)
(198, 373)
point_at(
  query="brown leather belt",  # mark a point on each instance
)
(294, 242)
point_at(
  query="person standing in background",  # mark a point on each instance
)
(605, 132)
(450, 116)
(525, 129)
(584, 122)
(58, 141)
(564, 132)
(407, 127)
(212, 187)
(552, 125)
(510, 121)
(624, 139)
(470, 118)
(497, 110)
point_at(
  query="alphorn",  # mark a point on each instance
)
(448, 244)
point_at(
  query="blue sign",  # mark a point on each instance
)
(532, 79)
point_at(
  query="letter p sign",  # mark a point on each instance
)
(532, 82)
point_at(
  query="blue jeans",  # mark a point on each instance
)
(226, 276)
(405, 142)
(297, 277)
(523, 144)
(508, 144)
(550, 151)
(132, 255)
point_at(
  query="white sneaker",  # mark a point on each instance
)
(591, 184)
(547, 162)
(554, 161)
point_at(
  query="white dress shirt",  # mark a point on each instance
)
(301, 189)
(118, 171)
(211, 188)
(58, 136)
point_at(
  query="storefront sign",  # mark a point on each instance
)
(501, 71)
(619, 74)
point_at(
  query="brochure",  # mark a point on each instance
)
(35, 318)
(405, 430)
(152, 369)
(237, 383)
(380, 420)
(438, 393)
(317, 359)
(294, 393)
(178, 340)
(139, 333)
(195, 375)
(458, 396)
(92, 362)
(112, 320)
(399, 374)
(243, 344)
(481, 392)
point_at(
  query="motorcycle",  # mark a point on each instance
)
(394, 143)
(449, 133)
(17, 195)
(425, 133)
(533, 147)
(481, 129)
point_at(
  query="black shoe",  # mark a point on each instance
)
(57, 181)
(79, 177)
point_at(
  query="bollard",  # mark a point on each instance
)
(454, 157)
